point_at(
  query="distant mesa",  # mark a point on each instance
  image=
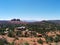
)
(15, 20)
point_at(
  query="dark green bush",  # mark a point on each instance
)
(11, 34)
(3, 41)
(56, 39)
(11, 43)
(40, 41)
(26, 43)
(18, 33)
(49, 39)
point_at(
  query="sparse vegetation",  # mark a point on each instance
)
(43, 28)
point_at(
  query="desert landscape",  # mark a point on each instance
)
(29, 22)
(20, 33)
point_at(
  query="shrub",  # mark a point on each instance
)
(2, 32)
(11, 34)
(56, 39)
(11, 43)
(26, 43)
(40, 41)
(18, 33)
(3, 41)
(49, 39)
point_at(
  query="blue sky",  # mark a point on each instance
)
(30, 9)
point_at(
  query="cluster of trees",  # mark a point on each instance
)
(50, 39)
(43, 27)
(3, 41)
(40, 27)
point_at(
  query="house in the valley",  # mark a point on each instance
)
(39, 35)
(22, 28)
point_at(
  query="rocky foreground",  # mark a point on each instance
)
(27, 41)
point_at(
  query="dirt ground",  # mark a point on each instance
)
(31, 41)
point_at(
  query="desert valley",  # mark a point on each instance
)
(17, 32)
